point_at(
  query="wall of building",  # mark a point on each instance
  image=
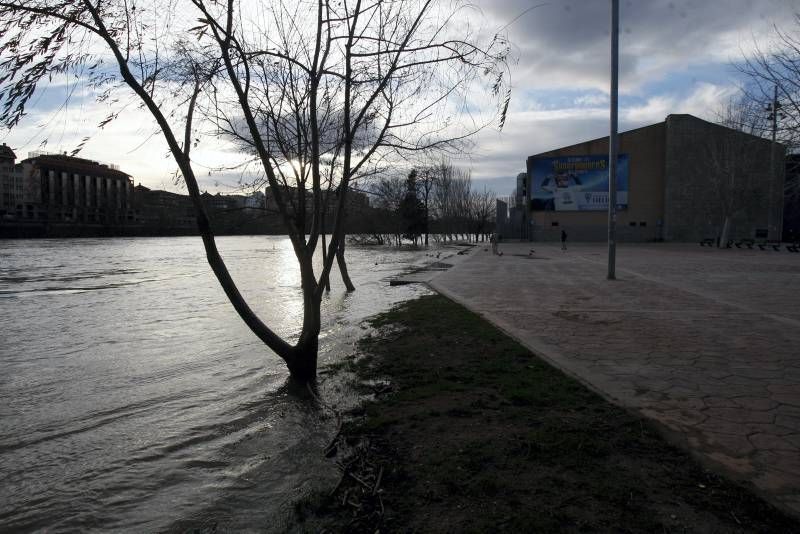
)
(643, 219)
(704, 163)
(10, 185)
(791, 200)
(685, 176)
(63, 189)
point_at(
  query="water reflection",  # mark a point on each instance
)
(132, 395)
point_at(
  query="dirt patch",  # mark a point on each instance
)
(529, 257)
(579, 317)
(476, 434)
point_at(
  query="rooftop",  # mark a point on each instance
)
(79, 164)
(6, 152)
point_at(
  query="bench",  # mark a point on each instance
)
(710, 241)
(747, 242)
(776, 245)
(794, 247)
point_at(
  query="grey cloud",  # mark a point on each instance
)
(498, 157)
(566, 43)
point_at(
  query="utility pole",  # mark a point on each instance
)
(612, 143)
(773, 116)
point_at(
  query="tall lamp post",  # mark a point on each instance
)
(612, 143)
(773, 116)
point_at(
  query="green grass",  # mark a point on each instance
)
(479, 435)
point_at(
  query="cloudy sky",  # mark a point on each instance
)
(676, 56)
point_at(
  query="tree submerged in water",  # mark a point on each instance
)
(319, 93)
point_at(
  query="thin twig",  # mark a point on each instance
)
(354, 477)
(736, 518)
(378, 481)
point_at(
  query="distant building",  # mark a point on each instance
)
(675, 179)
(521, 191)
(501, 217)
(10, 185)
(64, 189)
(791, 203)
(257, 200)
(56, 194)
(356, 200)
(164, 210)
(219, 201)
(518, 226)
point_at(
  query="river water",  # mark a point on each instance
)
(133, 398)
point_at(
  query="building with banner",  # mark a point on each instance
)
(684, 179)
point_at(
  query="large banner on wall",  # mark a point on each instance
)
(576, 183)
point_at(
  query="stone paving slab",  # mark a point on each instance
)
(705, 341)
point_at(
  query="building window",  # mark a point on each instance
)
(643, 223)
(632, 223)
(554, 223)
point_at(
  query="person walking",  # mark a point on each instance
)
(563, 240)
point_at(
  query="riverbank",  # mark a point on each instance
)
(469, 431)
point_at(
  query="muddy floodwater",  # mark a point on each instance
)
(133, 398)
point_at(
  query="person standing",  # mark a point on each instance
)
(495, 239)
(563, 240)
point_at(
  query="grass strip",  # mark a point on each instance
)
(476, 434)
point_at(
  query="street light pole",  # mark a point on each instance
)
(612, 143)
(773, 109)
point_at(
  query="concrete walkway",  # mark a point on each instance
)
(705, 341)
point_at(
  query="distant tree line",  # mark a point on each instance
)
(431, 202)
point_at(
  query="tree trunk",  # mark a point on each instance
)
(340, 260)
(324, 258)
(303, 361)
(348, 284)
(303, 364)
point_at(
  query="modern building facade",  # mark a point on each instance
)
(679, 180)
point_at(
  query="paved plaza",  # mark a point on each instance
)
(706, 341)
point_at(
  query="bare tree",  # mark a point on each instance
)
(731, 153)
(389, 193)
(426, 181)
(483, 211)
(277, 78)
(442, 205)
(461, 201)
(774, 70)
(451, 199)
